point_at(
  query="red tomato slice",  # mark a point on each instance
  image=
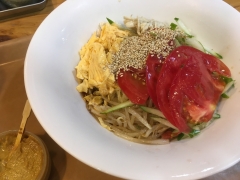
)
(213, 64)
(186, 90)
(172, 65)
(153, 66)
(169, 134)
(132, 83)
(193, 96)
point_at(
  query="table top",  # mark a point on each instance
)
(17, 32)
(27, 24)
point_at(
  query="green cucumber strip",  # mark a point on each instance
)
(229, 86)
(209, 51)
(198, 45)
(164, 121)
(226, 79)
(183, 27)
(180, 40)
(153, 111)
(110, 21)
(195, 43)
(205, 124)
(194, 133)
(216, 116)
(177, 43)
(119, 106)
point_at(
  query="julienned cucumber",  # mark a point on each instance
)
(119, 106)
(192, 41)
(226, 92)
(183, 27)
(153, 111)
(228, 87)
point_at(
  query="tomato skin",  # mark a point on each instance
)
(132, 83)
(153, 67)
(169, 134)
(186, 90)
(168, 71)
(192, 96)
(213, 64)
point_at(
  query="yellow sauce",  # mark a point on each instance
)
(23, 163)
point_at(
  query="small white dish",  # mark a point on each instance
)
(51, 89)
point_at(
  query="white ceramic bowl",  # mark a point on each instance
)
(51, 88)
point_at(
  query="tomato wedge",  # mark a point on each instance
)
(172, 64)
(187, 92)
(193, 96)
(153, 67)
(132, 83)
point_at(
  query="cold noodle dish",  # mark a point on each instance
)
(151, 82)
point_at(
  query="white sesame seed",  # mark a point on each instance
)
(134, 50)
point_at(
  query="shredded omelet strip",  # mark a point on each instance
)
(96, 56)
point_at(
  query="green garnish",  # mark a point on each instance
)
(223, 78)
(226, 79)
(110, 21)
(119, 106)
(173, 26)
(183, 27)
(181, 40)
(193, 133)
(224, 95)
(219, 56)
(216, 116)
(180, 136)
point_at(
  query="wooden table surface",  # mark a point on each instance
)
(25, 26)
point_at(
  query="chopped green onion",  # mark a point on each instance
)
(173, 26)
